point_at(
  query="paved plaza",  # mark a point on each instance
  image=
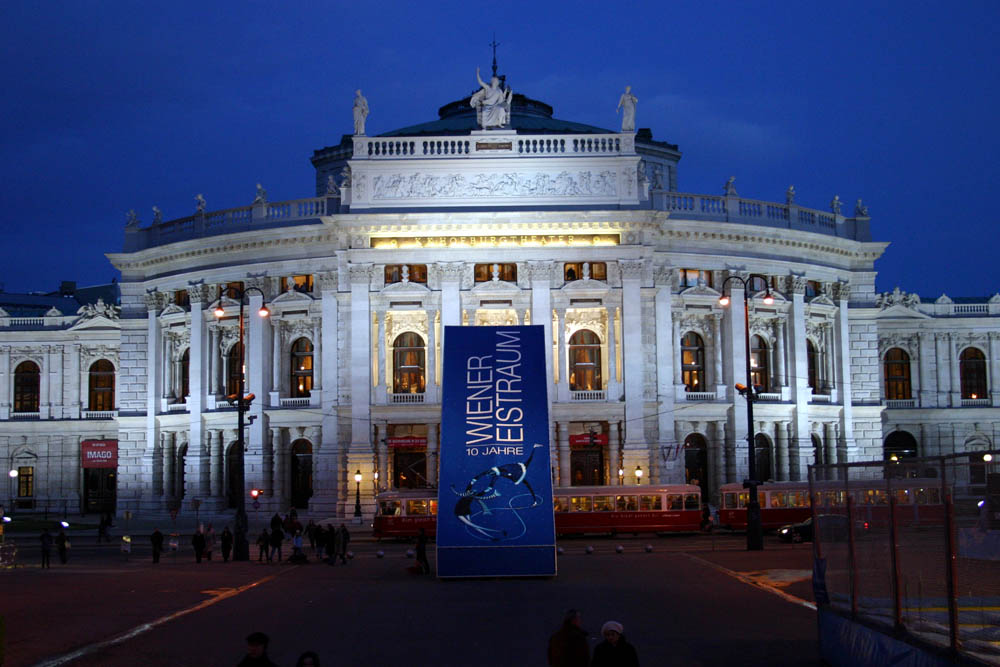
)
(695, 600)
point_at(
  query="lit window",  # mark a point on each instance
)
(101, 392)
(585, 361)
(27, 381)
(25, 481)
(693, 362)
(408, 364)
(182, 298)
(585, 271)
(398, 273)
(897, 375)
(484, 272)
(972, 370)
(301, 368)
(234, 369)
(302, 283)
(758, 364)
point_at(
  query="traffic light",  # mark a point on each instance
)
(254, 493)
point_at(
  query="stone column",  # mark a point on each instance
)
(197, 375)
(829, 443)
(565, 472)
(634, 371)
(212, 357)
(956, 380)
(430, 367)
(217, 458)
(6, 385)
(943, 376)
(842, 343)
(562, 361)
(782, 460)
(167, 373)
(268, 481)
(798, 361)
(382, 449)
(258, 340)
(717, 376)
(432, 455)
(675, 348)
(779, 354)
(317, 358)
(612, 382)
(667, 374)
(276, 363)
(993, 369)
(720, 471)
(79, 398)
(382, 370)
(44, 404)
(359, 456)
(169, 471)
(279, 468)
(326, 464)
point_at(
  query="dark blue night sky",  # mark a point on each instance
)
(108, 106)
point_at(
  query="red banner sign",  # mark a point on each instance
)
(99, 453)
(584, 439)
(407, 442)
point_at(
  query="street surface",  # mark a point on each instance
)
(695, 600)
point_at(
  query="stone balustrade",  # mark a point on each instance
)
(490, 145)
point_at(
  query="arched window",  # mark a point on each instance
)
(185, 374)
(408, 364)
(814, 361)
(762, 450)
(899, 446)
(302, 474)
(27, 380)
(102, 386)
(693, 362)
(696, 461)
(759, 376)
(896, 368)
(585, 361)
(234, 369)
(301, 368)
(972, 369)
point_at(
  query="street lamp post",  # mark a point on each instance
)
(638, 474)
(13, 480)
(241, 546)
(755, 532)
(357, 495)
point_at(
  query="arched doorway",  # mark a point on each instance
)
(696, 462)
(302, 474)
(234, 485)
(897, 447)
(762, 450)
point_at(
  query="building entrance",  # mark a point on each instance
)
(587, 466)
(100, 490)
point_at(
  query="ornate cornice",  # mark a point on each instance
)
(631, 268)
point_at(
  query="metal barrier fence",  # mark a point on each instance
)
(912, 545)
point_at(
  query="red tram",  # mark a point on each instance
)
(578, 510)
(917, 501)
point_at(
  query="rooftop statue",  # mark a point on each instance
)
(860, 210)
(626, 103)
(131, 219)
(331, 185)
(730, 187)
(492, 102)
(99, 309)
(157, 215)
(261, 197)
(200, 202)
(835, 205)
(360, 113)
(790, 195)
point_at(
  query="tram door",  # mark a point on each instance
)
(100, 490)
(587, 466)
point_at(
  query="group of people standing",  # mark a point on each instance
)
(331, 542)
(61, 542)
(569, 646)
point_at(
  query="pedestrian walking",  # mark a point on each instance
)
(311, 534)
(263, 544)
(345, 539)
(46, 540)
(568, 645)
(425, 566)
(256, 651)
(320, 541)
(614, 651)
(209, 541)
(331, 544)
(308, 659)
(198, 542)
(227, 544)
(275, 521)
(102, 530)
(277, 538)
(62, 546)
(156, 539)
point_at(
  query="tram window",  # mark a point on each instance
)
(743, 499)
(650, 503)
(389, 508)
(880, 497)
(603, 504)
(729, 500)
(416, 507)
(933, 496)
(778, 499)
(840, 498)
(868, 496)
(691, 501)
(761, 499)
(798, 499)
(434, 507)
(903, 497)
(675, 502)
(626, 503)
(921, 496)
(580, 503)
(560, 504)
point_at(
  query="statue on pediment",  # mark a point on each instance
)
(131, 219)
(860, 210)
(790, 195)
(261, 196)
(492, 103)
(360, 113)
(200, 203)
(626, 104)
(835, 205)
(157, 215)
(99, 309)
(730, 187)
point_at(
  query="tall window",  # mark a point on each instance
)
(25, 481)
(581, 270)
(414, 273)
(693, 362)
(301, 283)
(758, 364)
(896, 367)
(585, 361)
(690, 277)
(814, 363)
(484, 272)
(301, 368)
(182, 298)
(102, 386)
(408, 364)
(27, 379)
(972, 369)
(185, 374)
(234, 369)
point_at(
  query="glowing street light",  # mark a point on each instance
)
(638, 475)
(357, 494)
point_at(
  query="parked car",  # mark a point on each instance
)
(833, 528)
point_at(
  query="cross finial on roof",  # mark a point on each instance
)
(494, 44)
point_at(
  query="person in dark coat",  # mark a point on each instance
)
(256, 651)
(277, 539)
(62, 546)
(46, 540)
(568, 646)
(345, 539)
(331, 544)
(227, 544)
(198, 542)
(425, 566)
(614, 651)
(263, 546)
(156, 539)
(275, 521)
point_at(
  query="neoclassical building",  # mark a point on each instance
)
(484, 216)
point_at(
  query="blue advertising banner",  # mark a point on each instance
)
(495, 486)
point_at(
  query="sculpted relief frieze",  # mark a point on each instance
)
(509, 184)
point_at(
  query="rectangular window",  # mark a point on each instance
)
(903, 496)
(729, 500)
(231, 290)
(301, 283)
(778, 499)
(675, 502)
(691, 501)
(626, 503)
(812, 288)
(25, 481)
(416, 507)
(483, 273)
(585, 271)
(389, 508)
(580, 503)
(650, 503)
(182, 299)
(690, 277)
(603, 504)
(413, 273)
